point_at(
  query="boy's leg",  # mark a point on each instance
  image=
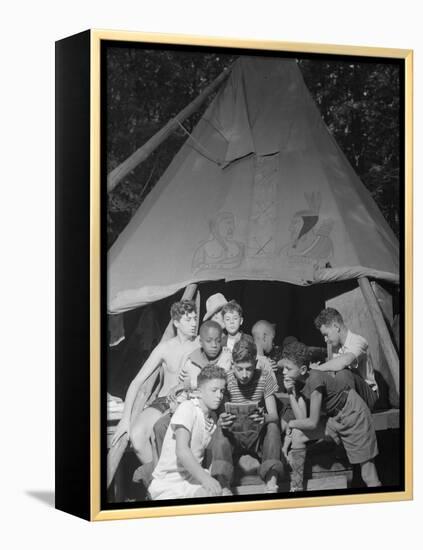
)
(296, 458)
(353, 426)
(369, 474)
(140, 433)
(222, 467)
(271, 468)
(297, 453)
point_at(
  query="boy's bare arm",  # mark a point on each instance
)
(312, 421)
(152, 363)
(298, 405)
(336, 364)
(272, 411)
(188, 461)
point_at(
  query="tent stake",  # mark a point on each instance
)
(116, 452)
(118, 173)
(382, 330)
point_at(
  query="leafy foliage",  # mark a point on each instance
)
(360, 103)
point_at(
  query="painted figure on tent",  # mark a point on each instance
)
(310, 241)
(220, 250)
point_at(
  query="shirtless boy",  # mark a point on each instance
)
(170, 354)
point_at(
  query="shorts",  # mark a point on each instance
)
(163, 489)
(353, 427)
(161, 404)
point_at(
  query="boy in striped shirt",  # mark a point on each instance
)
(260, 436)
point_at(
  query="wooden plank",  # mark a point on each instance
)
(250, 489)
(327, 483)
(386, 420)
(382, 330)
(118, 173)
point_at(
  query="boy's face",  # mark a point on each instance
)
(218, 318)
(211, 392)
(187, 324)
(291, 371)
(232, 321)
(211, 342)
(244, 371)
(331, 334)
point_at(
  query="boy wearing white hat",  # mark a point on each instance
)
(214, 305)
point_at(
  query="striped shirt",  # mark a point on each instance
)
(262, 385)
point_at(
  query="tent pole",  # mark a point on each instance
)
(381, 328)
(118, 173)
(115, 453)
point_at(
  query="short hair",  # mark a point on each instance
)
(232, 307)
(210, 372)
(244, 351)
(297, 352)
(179, 309)
(288, 340)
(210, 324)
(327, 317)
(265, 324)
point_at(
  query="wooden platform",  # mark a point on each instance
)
(322, 472)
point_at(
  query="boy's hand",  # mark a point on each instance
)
(172, 396)
(225, 360)
(212, 486)
(266, 363)
(122, 429)
(226, 420)
(257, 416)
(289, 384)
(183, 374)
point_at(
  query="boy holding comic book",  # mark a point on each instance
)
(250, 423)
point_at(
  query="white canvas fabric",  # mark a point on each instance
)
(261, 191)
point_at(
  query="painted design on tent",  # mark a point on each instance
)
(264, 212)
(220, 250)
(310, 243)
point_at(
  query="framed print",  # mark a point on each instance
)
(234, 316)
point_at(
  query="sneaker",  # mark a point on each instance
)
(226, 492)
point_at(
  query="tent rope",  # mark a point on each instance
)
(204, 153)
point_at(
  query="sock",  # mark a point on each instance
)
(296, 461)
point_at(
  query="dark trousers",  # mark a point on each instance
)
(354, 381)
(226, 449)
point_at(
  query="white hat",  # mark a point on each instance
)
(213, 304)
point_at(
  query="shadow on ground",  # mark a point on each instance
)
(46, 497)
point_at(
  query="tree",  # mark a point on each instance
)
(359, 102)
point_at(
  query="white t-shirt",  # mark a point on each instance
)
(232, 340)
(190, 416)
(358, 346)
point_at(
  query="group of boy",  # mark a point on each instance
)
(208, 378)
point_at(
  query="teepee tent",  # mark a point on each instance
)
(259, 191)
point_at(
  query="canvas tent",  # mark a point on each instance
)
(259, 191)
(261, 194)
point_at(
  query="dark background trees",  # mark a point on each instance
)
(360, 103)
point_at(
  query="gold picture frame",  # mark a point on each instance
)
(80, 492)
